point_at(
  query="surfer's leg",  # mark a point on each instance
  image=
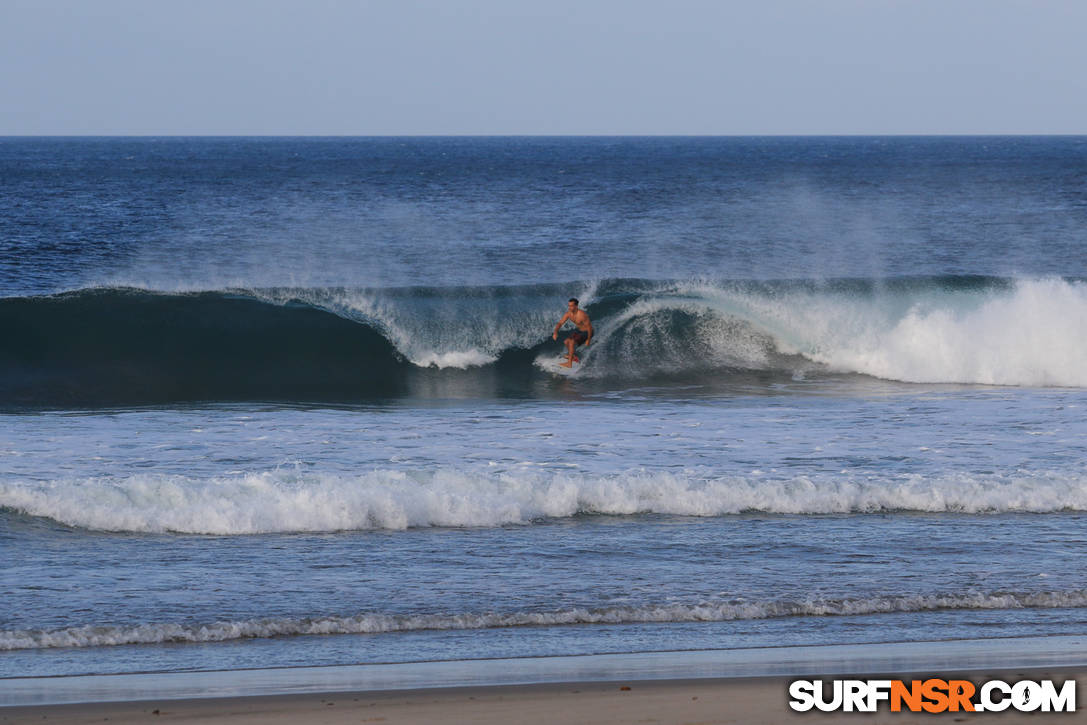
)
(575, 339)
(569, 353)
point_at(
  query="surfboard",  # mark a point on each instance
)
(554, 366)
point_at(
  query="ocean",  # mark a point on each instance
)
(280, 402)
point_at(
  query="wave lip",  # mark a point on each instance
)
(288, 501)
(374, 623)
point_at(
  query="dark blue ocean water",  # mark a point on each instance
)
(295, 401)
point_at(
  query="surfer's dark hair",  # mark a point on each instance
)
(574, 300)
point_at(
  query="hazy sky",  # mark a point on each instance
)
(542, 66)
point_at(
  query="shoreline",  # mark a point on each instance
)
(747, 700)
(1067, 653)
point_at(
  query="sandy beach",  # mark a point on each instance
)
(710, 686)
(733, 700)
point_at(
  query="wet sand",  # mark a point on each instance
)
(730, 700)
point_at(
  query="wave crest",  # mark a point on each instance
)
(287, 501)
(375, 623)
(124, 346)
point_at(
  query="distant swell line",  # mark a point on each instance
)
(367, 623)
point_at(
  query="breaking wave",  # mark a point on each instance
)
(287, 501)
(110, 346)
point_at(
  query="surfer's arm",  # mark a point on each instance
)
(555, 334)
(589, 339)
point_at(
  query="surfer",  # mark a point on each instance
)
(583, 335)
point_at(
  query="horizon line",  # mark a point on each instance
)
(548, 135)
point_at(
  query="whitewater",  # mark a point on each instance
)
(105, 636)
(286, 502)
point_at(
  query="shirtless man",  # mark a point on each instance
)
(583, 335)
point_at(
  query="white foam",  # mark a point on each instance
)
(289, 501)
(460, 359)
(1033, 333)
(375, 623)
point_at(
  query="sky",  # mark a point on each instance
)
(416, 67)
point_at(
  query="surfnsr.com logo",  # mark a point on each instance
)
(932, 695)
